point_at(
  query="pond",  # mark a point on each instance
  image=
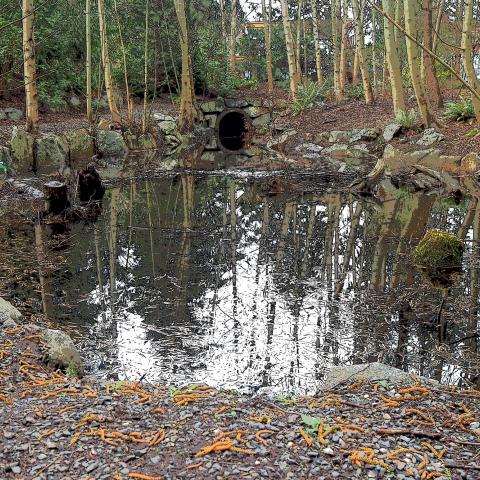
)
(229, 281)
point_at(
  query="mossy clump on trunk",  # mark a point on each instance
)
(439, 249)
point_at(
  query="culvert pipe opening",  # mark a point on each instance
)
(232, 130)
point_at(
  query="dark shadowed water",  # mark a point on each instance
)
(214, 279)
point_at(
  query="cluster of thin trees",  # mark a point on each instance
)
(403, 42)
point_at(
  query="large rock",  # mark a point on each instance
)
(13, 114)
(281, 139)
(429, 137)
(395, 159)
(8, 312)
(60, 351)
(391, 131)
(21, 147)
(470, 163)
(368, 372)
(110, 144)
(213, 106)
(439, 249)
(309, 148)
(160, 117)
(142, 142)
(262, 120)
(80, 144)
(168, 127)
(236, 103)
(253, 112)
(51, 150)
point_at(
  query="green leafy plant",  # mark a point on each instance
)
(117, 386)
(354, 92)
(459, 111)
(406, 120)
(312, 424)
(71, 371)
(309, 95)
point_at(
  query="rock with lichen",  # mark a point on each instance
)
(439, 249)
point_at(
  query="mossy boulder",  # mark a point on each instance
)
(439, 249)
(21, 146)
(51, 151)
(81, 144)
(110, 144)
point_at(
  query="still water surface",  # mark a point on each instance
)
(214, 279)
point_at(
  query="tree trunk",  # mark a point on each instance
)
(398, 19)
(233, 36)
(268, 43)
(292, 68)
(223, 22)
(106, 63)
(355, 64)
(29, 67)
(298, 42)
(468, 56)
(88, 60)
(343, 56)
(316, 38)
(187, 100)
(367, 87)
(374, 54)
(411, 13)
(428, 70)
(145, 91)
(438, 23)
(393, 61)
(336, 9)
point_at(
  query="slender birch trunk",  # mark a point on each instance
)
(393, 61)
(298, 42)
(367, 87)
(374, 53)
(428, 70)
(316, 38)
(187, 100)
(343, 57)
(411, 12)
(468, 54)
(233, 36)
(106, 64)
(355, 64)
(88, 60)
(398, 19)
(438, 23)
(223, 22)
(145, 91)
(292, 68)
(336, 8)
(29, 67)
(268, 43)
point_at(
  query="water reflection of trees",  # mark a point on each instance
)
(211, 279)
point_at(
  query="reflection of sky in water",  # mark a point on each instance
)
(266, 295)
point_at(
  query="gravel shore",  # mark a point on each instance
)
(56, 426)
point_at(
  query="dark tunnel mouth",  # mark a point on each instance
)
(232, 130)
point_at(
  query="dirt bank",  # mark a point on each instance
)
(59, 427)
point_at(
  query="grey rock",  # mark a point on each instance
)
(430, 136)
(213, 156)
(160, 117)
(339, 136)
(16, 470)
(8, 312)
(74, 101)
(368, 134)
(236, 103)
(213, 106)
(110, 144)
(81, 144)
(309, 148)
(282, 138)
(13, 114)
(470, 162)
(391, 131)
(369, 372)
(51, 150)
(60, 351)
(141, 142)
(211, 120)
(253, 112)
(167, 127)
(262, 120)
(21, 146)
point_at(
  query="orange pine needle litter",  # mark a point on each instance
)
(438, 454)
(306, 437)
(222, 446)
(142, 476)
(259, 434)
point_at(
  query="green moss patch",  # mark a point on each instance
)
(439, 249)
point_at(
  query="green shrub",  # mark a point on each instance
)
(354, 92)
(406, 120)
(309, 95)
(439, 249)
(460, 111)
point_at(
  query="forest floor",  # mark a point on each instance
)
(59, 427)
(355, 114)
